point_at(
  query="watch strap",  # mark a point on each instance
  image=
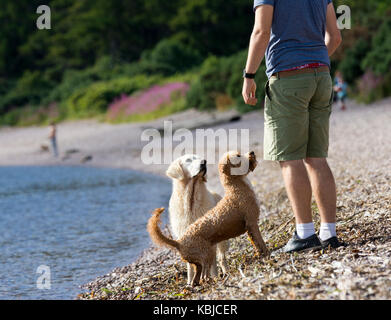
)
(248, 75)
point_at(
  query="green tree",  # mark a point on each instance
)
(379, 58)
(17, 20)
(215, 27)
(350, 66)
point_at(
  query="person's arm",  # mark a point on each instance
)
(333, 36)
(258, 43)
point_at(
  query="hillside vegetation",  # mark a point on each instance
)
(104, 58)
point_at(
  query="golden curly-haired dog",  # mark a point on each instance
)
(190, 200)
(235, 214)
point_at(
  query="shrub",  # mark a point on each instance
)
(104, 69)
(29, 89)
(223, 76)
(372, 87)
(95, 98)
(73, 80)
(379, 58)
(10, 118)
(169, 56)
(212, 81)
(235, 85)
(30, 115)
(5, 87)
(350, 66)
(375, 59)
(174, 106)
(147, 100)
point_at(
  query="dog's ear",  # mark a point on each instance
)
(224, 165)
(175, 171)
(227, 160)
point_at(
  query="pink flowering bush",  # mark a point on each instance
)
(147, 100)
(372, 87)
(369, 81)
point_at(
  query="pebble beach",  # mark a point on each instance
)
(359, 156)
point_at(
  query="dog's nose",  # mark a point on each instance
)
(203, 162)
(252, 153)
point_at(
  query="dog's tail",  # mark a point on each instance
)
(156, 234)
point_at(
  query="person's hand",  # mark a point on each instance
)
(248, 92)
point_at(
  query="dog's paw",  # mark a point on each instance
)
(266, 253)
(194, 284)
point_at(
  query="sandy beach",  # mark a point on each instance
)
(110, 145)
(359, 155)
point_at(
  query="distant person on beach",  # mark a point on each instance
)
(298, 37)
(340, 88)
(53, 138)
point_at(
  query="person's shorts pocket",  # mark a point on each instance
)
(331, 98)
(268, 103)
(267, 90)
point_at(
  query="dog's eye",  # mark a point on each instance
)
(188, 160)
(238, 155)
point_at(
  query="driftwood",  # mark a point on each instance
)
(201, 120)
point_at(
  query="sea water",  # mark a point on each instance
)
(61, 227)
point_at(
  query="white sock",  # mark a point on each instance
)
(327, 231)
(305, 230)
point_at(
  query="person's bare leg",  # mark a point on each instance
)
(298, 188)
(323, 187)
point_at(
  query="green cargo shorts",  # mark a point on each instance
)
(297, 113)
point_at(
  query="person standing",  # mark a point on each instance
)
(340, 87)
(298, 37)
(53, 138)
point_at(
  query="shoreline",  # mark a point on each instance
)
(359, 157)
(120, 150)
(110, 145)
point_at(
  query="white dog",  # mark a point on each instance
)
(190, 200)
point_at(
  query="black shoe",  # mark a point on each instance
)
(333, 242)
(297, 244)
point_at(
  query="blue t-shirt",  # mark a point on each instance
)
(297, 34)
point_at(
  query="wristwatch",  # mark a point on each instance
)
(248, 75)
